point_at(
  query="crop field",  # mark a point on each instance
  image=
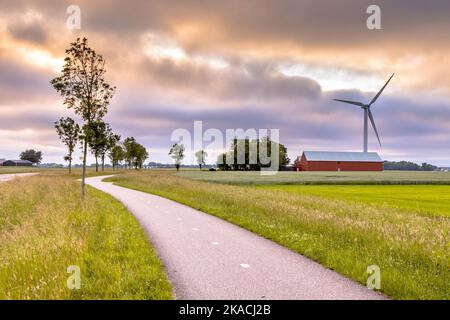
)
(291, 177)
(404, 231)
(45, 228)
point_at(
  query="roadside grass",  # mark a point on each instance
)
(45, 228)
(412, 250)
(421, 199)
(292, 177)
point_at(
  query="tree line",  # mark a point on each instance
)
(84, 89)
(408, 166)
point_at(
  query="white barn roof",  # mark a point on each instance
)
(342, 156)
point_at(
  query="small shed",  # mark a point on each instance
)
(339, 161)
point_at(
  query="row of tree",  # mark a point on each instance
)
(84, 89)
(102, 142)
(408, 166)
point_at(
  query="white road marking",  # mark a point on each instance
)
(244, 265)
(215, 243)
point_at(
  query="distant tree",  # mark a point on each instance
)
(112, 141)
(408, 166)
(31, 155)
(135, 154)
(84, 89)
(247, 145)
(116, 155)
(97, 134)
(428, 167)
(69, 133)
(177, 154)
(201, 157)
(129, 145)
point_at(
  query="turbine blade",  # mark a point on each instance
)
(378, 94)
(356, 103)
(373, 125)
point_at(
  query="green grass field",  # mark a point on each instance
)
(412, 248)
(44, 228)
(421, 199)
(385, 177)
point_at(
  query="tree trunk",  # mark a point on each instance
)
(200, 167)
(83, 179)
(96, 164)
(70, 164)
(103, 163)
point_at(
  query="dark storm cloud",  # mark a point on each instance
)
(32, 32)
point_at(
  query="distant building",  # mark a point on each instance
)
(1, 162)
(339, 161)
(17, 163)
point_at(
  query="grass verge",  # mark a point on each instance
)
(44, 228)
(411, 249)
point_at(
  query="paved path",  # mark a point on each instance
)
(209, 258)
(7, 177)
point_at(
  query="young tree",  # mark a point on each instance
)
(140, 154)
(201, 157)
(111, 141)
(96, 137)
(69, 132)
(135, 153)
(84, 88)
(129, 145)
(31, 155)
(116, 155)
(177, 154)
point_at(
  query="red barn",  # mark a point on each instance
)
(339, 161)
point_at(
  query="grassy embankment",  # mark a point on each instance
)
(412, 249)
(44, 228)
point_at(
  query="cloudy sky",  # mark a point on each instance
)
(237, 64)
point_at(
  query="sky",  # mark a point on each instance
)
(237, 64)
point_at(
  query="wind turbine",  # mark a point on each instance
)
(367, 113)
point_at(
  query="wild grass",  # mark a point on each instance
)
(320, 178)
(44, 228)
(412, 250)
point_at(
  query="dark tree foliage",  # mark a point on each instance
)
(69, 133)
(31, 155)
(135, 153)
(84, 88)
(408, 166)
(247, 163)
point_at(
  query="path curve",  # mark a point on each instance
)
(209, 258)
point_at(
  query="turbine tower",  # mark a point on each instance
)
(367, 114)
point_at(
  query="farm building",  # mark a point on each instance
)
(1, 161)
(339, 161)
(17, 163)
